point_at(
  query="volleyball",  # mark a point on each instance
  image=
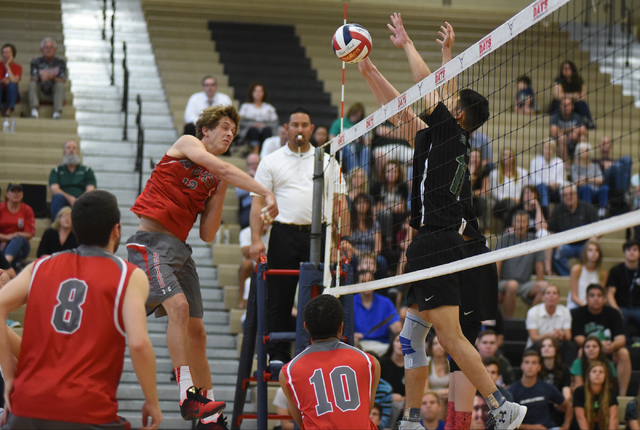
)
(351, 43)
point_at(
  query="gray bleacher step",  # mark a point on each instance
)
(165, 378)
(220, 341)
(114, 132)
(91, 93)
(155, 121)
(124, 148)
(90, 105)
(213, 353)
(164, 365)
(169, 421)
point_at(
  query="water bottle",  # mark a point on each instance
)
(12, 127)
(226, 235)
(5, 125)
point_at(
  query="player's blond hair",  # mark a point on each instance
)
(210, 117)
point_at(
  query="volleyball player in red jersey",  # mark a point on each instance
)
(330, 385)
(80, 304)
(190, 180)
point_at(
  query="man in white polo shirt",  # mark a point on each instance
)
(288, 172)
(208, 97)
(550, 319)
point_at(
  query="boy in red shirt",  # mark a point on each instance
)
(17, 226)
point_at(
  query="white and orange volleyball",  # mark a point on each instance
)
(351, 43)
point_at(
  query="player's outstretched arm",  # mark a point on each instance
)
(13, 295)
(293, 406)
(446, 41)
(376, 381)
(140, 348)
(384, 93)
(193, 149)
(211, 217)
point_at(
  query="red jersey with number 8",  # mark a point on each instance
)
(73, 341)
(175, 194)
(331, 383)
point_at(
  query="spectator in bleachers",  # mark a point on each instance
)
(551, 320)
(282, 408)
(274, 143)
(631, 413)
(571, 213)
(515, 273)
(376, 319)
(547, 173)
(60, 236)
(356, 154)
(591, 351)
(320, 135)
(567, 128)
(480, 414)
(538, 395)
(208, 97)
(392, 368)
(69, 180)
(17, 226)
(488, 347)
(569, 84)
(479, 176)
(384, 398)
(430, 410)
(585, 273)
(244, 199)
(493, 368)
(10, 75)
(375, 415)
(623, 284)
(480, 141)
(506, 183)
(48, 76)
(595, 404)
(588, 178)
(365, 230)
(525, 97)
(605, 323)
(6, 270)
(390, 195)
(259, 118)
(616, 173)
(358, 184)
(555, 372)
(439, 372)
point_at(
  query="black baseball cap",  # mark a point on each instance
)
(12, 187)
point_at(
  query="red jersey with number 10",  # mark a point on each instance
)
(175, 194)
(331, 384)
(73, 341)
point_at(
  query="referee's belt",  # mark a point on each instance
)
(306, 227)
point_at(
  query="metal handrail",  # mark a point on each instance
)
(125, 92)
(630, 37)
(104, 19)
(112, 56)
(140, 152)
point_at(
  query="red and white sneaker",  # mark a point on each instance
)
(221, 424)
(197, 406)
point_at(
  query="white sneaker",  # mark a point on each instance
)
(34, 113)
(56, 115)
(509, 416)
(409, 425)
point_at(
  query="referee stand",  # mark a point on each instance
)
(255, 328)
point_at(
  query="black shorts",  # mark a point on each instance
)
(470, 331)
(431, 249)
(479, 291)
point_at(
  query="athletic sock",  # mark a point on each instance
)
(450, 424)
(495, 400)
(411, 414)
(183, 377)
(213, 418)
(464, 420)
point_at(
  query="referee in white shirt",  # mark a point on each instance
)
(208, 97)
(288, 172)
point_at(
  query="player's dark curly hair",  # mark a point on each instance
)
(323, 316)
(476, 108)
(210, 117)
(93, 216)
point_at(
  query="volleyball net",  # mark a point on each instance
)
(553, 165)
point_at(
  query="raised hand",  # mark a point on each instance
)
(399, 36)
(447, 35)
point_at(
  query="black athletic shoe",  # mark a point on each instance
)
(197, 406)
(221, 424)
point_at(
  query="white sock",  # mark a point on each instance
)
(183, 377)
(213, 418)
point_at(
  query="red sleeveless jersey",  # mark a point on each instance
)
(175, 194)
(331, 385)
(73, 341)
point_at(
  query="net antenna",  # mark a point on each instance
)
(516, 132)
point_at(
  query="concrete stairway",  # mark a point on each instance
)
(100, 128)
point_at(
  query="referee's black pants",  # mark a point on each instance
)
(288, 247)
